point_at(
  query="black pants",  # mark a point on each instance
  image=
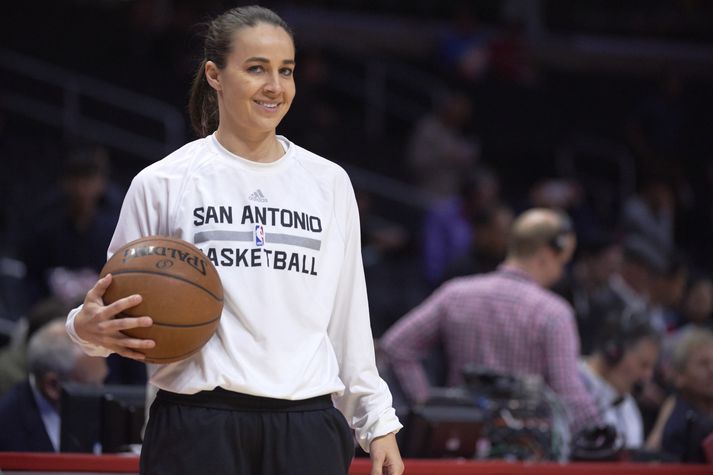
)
(222, 432)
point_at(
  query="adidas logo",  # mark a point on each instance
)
(257, 196)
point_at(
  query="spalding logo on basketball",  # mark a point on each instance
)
(181, 292)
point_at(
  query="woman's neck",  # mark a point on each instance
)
(263, 148)
(598, 366)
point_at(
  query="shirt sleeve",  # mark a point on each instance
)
(141, 215)
(562, 354)
(411, 339)
(88, 348)
(366, 401)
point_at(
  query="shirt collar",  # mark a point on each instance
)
(278, 164)
(48, 413)
(600, 387)
(512, 271)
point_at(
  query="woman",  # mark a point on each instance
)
(281, 226)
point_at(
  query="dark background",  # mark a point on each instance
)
(592, 68)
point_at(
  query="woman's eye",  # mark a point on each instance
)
(256, 69)
(286, 72)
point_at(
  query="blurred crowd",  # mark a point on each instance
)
(503, 136)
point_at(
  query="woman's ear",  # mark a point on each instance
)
(212, 75)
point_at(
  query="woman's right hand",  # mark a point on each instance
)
(96, 323)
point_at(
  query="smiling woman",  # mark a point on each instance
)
(289, 378)
(255, 88)
(245, 84)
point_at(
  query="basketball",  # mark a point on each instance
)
(181, 292)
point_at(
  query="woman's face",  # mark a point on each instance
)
(699, 301)
(697, 377)
(636, 366)
(256, 86)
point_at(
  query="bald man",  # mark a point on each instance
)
(29, 412)
(506, 321)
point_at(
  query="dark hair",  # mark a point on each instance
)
(621, 330)
(640, 250)
(203, 103)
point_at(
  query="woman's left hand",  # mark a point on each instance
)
(385, 456)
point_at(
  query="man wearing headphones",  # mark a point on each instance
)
(505, 321)
(624, 356)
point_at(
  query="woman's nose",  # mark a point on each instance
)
(273, 84)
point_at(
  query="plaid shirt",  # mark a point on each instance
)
(503, 321)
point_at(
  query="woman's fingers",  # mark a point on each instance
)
(105, 312)
(96, 292)
(128, 346)
(126, 323)
(117, 340)
(120, 305)
(138, 343)
(127, 353)
(104, 324)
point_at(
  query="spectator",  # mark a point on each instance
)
(623, 358)
(463, 50)
(691, 419)
(666, 292)
(505, 321)
(489, 243)
(598, 258)
(440, 153)
(627, 291)
(651, 212)
(696, 313)
(697, 308)
(448, 226)
(29, 412)
(13, 358)
(80, 216)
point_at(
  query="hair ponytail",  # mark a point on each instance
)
(203, 104)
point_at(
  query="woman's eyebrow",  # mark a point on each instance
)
(260, 59)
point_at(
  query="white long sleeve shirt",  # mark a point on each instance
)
(284, 237)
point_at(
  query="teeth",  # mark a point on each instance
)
(265, 104)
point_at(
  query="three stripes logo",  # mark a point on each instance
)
(257, 196)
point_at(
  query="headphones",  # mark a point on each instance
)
(623, 332)
(602, 442)
(613, 351)
(558, 242)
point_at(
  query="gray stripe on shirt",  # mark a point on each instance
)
(309, 243)
(204, 236)
(247, 236)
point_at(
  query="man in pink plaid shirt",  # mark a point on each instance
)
(506, 320)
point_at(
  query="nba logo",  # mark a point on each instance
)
(259, 235)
